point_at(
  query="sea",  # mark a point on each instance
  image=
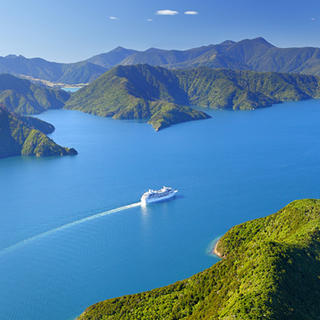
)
(72, 232)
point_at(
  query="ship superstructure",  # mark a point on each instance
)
(164, 193)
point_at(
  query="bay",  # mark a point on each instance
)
(229, 169)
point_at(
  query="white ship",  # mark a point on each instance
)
(164, 193)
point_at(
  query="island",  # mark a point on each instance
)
(270, 270)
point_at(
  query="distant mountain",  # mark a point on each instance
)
(270, 270)
(80, 72)
(112, 58)
(160, 96)
(249, 54)
(25, 136)
(70, 73)
(24, 97)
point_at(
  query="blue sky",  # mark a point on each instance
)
(72, 30)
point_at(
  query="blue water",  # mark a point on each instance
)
(71, 89)
(229, 169)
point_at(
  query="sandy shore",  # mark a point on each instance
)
(215, 250)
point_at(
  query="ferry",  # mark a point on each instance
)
(151, 196)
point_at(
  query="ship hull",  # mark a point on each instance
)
(167, 197)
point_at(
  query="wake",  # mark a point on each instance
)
(66, 226)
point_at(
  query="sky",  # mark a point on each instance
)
(73, 30)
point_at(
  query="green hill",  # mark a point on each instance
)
(245, 90)
(26, 136)
(136, 92)
(156, 94)
(24, 97)
(270, 270)
(36, 123)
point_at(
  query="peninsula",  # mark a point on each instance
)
(270, 270)
(165, 97)
(27, 136)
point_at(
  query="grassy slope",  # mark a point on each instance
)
(271, 270)
(23, 97)
(161, 96)
(19, 136)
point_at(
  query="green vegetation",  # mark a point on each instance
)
(24, 136)
(38, 124)
(160, 96)
(24, 97)
(136, 92)
(245, 90)
(270, 270)
(164, 114)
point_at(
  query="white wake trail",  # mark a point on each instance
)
(66, 226)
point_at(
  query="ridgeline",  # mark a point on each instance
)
(248, 54)
(164, 97)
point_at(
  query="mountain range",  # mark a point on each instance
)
(249, 54)
(161, 96)
(269, 270)
(79, 72)
(164, 97)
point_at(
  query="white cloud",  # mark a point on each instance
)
(167, 12)
(191, 12)
(113, 18)
(149, 20)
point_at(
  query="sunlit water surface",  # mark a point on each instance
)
(229, 169)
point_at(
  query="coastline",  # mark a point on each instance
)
(215, 250)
